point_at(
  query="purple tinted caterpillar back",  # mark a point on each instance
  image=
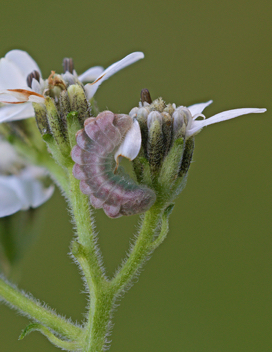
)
(94, 166)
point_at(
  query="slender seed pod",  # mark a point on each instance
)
(115, 192)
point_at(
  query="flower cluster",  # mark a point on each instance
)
(167, 135)
(160, 138)
(24, 94)
(21, 82)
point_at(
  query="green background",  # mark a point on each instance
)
(208, 287)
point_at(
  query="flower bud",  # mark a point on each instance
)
(57, 126)
(165, 155)
(79, 102)
(155, 146)
(167, 131)
(41, 118)
(180, 121)
(141, 116)
(64, 104)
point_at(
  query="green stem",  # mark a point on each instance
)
(106, 294)
(86, 252)
(164, 231)
(85, 231)
(58, 173)
(141, 249)
(103, 293)
(99, 319)
(33, 309)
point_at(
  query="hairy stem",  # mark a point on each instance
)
(141, 249)
(58, 174)
(33, 309)
(99, 319)
(85, 232)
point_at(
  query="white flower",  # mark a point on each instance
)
(190, 114)
(16, 66)
(91, 88)
(21, 185)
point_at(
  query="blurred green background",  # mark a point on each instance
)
(208, 287)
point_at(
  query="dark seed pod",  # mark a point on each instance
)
(116, 193)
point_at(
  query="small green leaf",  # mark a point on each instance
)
(66, 345)
(29, 329)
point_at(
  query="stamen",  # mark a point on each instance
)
(68, 64)
(145, 96)
(31, 76)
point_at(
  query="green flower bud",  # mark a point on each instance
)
(57, 126)
(41, 118)
(166, 153)
(79, 102)
(155, 146)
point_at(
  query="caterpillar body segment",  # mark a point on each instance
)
(94, 166)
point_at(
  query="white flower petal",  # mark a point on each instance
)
(36, 86)
(91, 74)
(91, 88)
(69, 77)
(11, 76)
(13, 96)
(34, 190)
(198, 108)
(23, 61)
(35, 193)
(36, 99)
(131, 144)
(16, 112)
(222, 116)
(22, 192)
(9, 201)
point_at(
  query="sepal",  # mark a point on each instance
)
(78, 102)
(171, 166)
(57, 127)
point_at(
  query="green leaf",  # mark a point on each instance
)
(66, 345)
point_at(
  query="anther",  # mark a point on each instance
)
(145, 96)
(31, 76)
(68, 64)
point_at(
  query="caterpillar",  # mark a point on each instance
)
(93, 155)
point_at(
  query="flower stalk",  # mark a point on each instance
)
(34, 310)
(104, 292)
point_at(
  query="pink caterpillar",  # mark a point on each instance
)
(116, 193)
